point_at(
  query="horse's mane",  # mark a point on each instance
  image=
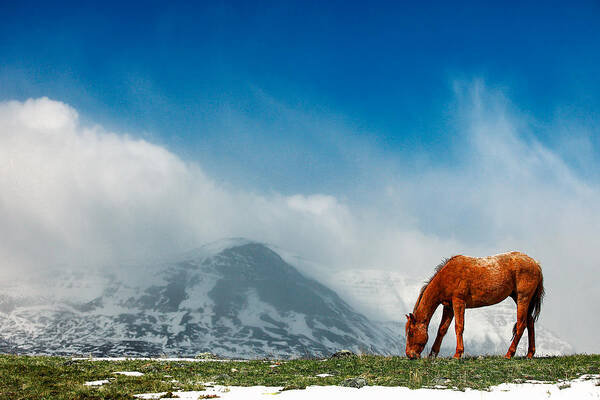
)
(437, 269)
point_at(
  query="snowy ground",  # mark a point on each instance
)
(586, 387)
(580, 389)
(166, 359)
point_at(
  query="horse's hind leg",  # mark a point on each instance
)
(531, 337)
(459, 325)
(522, 307)
(447, 316)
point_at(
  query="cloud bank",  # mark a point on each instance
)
(80, 195)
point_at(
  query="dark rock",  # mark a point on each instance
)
(441, 381)
(342, 354)
(206, 356)
(354, 382)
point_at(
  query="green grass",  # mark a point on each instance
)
(25, 377)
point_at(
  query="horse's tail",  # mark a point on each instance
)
(535, 306)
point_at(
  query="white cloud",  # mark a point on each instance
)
(81, 195)
(316, 204)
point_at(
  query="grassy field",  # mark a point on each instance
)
(24, 377)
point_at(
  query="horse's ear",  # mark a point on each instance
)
(407, 317)
(411, 317)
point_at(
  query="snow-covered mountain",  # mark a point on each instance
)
(386, 297)
(234, 298)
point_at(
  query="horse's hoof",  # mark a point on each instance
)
(508, 356)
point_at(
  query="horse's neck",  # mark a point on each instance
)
(428, 304)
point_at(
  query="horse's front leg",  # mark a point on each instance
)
(447, 316)
(459, 325)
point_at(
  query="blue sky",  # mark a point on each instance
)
(386, 135)
(203, 79)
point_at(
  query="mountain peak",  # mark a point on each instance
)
(214, 248)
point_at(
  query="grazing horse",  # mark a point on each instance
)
(467, 282)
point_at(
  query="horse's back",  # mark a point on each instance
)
(513, 262)
(489, 280)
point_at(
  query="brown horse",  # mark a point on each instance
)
(468, 282)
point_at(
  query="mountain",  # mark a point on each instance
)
(234, 298)
(385, 297)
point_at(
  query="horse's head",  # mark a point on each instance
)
(416, 337)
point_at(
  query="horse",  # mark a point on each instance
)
(469, 282)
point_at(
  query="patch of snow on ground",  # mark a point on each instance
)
(129, 373)
(153, 359)
(581, 388)
(96, 383)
